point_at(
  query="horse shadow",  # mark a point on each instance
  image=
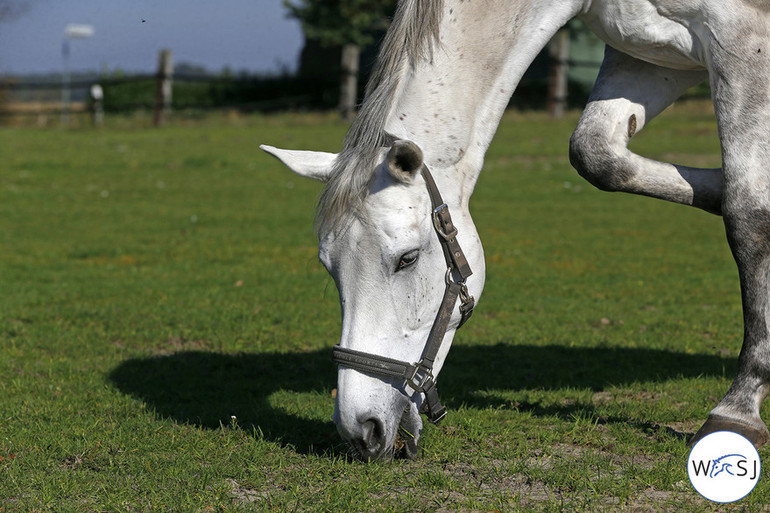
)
(205, 389)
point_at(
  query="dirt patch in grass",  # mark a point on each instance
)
(491, 481)
(244, 495)
(176, 345)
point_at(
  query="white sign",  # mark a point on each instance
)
(78, 31)
(724, 466)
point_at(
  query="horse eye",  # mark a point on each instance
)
(407, 259)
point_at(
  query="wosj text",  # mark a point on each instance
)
(735, 465)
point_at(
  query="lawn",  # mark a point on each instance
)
(165, 329)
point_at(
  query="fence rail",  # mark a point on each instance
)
(197, 92)
(189, 92)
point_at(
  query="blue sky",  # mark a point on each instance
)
(252, 35)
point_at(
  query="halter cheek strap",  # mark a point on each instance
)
(419, 376)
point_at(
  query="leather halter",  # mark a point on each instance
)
(419, 375)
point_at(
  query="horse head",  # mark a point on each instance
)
(392, 273)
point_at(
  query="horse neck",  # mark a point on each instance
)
(451, 104)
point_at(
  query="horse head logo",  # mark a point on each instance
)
(725, 464)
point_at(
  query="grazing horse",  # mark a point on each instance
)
(443, 78)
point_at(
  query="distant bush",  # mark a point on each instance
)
(244, 93)
(127, 94)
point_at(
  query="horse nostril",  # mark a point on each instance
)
(373, 436)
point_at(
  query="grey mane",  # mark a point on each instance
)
(410, 39)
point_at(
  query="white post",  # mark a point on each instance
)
(97, 99)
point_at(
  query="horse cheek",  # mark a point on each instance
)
(417, 297)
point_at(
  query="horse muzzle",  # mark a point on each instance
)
(381, 430)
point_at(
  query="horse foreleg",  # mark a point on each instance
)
(742, 103)
(628, 93)
(747, 221)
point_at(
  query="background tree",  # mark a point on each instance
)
(11, 9)
(348, 24)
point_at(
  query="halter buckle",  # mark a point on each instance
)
(419, 377)
(442, 222)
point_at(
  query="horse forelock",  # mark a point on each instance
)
(409, 40)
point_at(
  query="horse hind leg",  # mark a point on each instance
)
(628, 93)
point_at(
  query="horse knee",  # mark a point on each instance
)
(595, 161)
(597, 153)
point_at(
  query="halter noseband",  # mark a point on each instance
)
(419, 375)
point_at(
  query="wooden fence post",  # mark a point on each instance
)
(557, 87)
(349, 80)
(164, 87)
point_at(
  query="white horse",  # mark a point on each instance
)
(443, 78)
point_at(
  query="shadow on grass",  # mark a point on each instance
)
(553, 368)
(205, 388)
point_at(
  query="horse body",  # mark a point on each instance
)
(443, 79)
(668, 33)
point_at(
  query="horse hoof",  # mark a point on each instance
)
(715, 423)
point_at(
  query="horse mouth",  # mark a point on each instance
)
(404, 444)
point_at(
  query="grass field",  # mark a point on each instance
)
(165, 329)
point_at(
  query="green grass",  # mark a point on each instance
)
(165, 329)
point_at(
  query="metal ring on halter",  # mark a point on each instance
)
(449, 281)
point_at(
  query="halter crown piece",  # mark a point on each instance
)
(419, 376)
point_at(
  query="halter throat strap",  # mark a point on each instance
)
(419, 376)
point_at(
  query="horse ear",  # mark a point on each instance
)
(312, 164)
(404, 161)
